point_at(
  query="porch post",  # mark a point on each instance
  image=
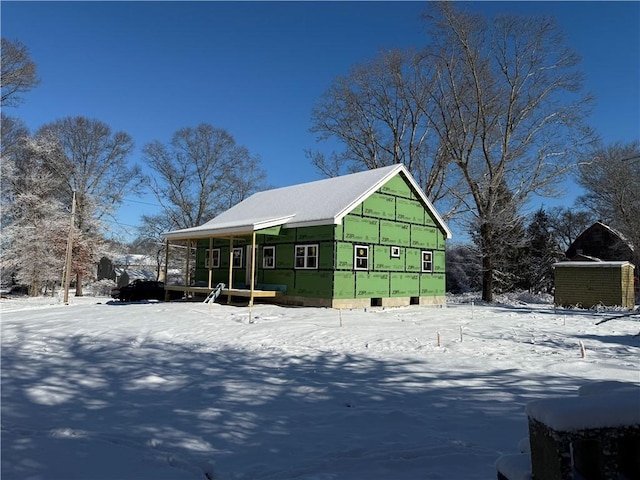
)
(188, 273)
(253, 267)
(210, 260)
(230, 286)
(166, 269)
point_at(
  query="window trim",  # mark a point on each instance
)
(208, 256)
(429, 262)
(306, 256)
(356, 257)
(264, 257)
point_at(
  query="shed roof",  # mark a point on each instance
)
(322, 202)
(600, 264)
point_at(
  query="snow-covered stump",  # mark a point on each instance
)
(595, 436)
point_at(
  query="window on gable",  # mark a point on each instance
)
(237, 257)
(269, 257)
(306, 256)
(212, 258)
(427, 261)
(361, 257)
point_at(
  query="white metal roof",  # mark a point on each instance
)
(321, 202)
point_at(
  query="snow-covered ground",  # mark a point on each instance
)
(102, 390)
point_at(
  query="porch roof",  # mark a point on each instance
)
(241, 226)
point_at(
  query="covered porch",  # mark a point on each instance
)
(237, 235)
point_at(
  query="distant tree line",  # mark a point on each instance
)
(61, 184)
(485, 115)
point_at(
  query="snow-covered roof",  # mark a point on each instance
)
(599, 264)
(322, 202)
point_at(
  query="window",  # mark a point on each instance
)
(427, 261)
(212, 258)
(237, 257)
(306, 256)
(361, 257)
(395, 252)
(269, 257)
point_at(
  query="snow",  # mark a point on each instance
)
(102, 390)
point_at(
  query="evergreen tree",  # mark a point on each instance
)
(541, 252)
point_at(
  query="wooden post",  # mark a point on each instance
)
(230, 286)
(253, 267)
(188, 273)
(210, 261)
(166, 269)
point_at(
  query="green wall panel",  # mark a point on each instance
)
(413, 260)
(344, 256)
(409, 211)
(424, 237)
(287, 235)
(268, 232)
(382, 260)
(313, 283)
(439, 261)
(284, 256)
(397, 186)
(359, 229)
(325, 252)
(372, 284)
(380, 206)
(393, 233)
(441, 239)
(315, 234)
(432, 284)
(277, 277)
(344, 285)
(405, 284)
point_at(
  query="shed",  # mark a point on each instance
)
(587, 284)
(370, 238)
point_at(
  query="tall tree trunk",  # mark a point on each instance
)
(79, 285)
(487, 277)
(486, 240)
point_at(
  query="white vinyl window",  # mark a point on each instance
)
(427, 261)
(237, 257)
(212, 258)
(361, 257)
(269, 257)
(306, 256)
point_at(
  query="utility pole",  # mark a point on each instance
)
(67, 265)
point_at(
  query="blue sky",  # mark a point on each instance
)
(256, 69)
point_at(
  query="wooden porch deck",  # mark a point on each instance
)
(234, 292)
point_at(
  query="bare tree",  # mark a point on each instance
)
(611, 179)
(507, 111)
(567, 223)
(18, 72)
(91, 160)
(379, 113)
(201, 172)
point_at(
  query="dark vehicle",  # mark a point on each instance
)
(139, 290)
